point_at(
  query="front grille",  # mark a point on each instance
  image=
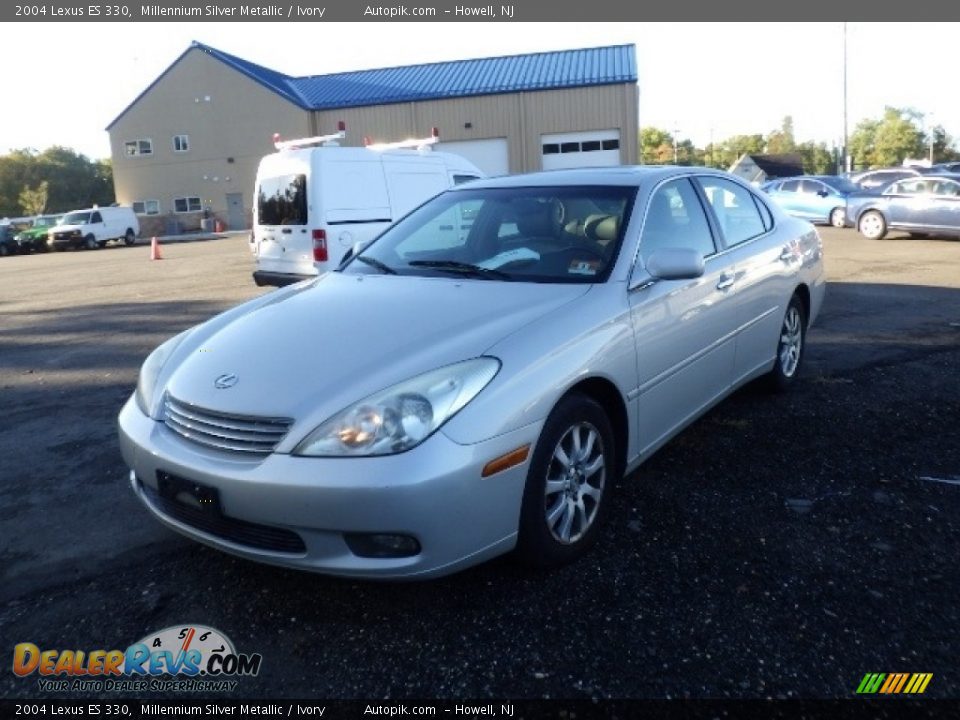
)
(234, 433)
(241, 532)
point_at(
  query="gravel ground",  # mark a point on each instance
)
(783, 546)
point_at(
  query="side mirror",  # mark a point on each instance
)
(670, 264)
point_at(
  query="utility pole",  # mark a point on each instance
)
(846, 152)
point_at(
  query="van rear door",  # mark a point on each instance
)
(282, 219)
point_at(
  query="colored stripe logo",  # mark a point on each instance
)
(894, 683)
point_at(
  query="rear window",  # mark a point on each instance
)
(283, 200)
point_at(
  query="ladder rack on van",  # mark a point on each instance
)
(421, 144)
(311, 141)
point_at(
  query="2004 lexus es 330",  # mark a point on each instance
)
(478, 378)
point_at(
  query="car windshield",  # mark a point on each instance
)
(840, 184)
(79, 218)
(535, 234)
(41, 222)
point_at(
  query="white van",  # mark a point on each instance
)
(312, 204)
(92, 228)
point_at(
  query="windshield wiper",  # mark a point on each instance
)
(373, 262)
(462, 268)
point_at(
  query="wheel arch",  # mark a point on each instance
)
(803, 292)
(606, 394)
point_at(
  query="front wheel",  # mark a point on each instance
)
(90, 242)
(790, 347)
(569, 484)
(872, 225)
(838, 217)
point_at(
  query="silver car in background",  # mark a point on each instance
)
(479, 378)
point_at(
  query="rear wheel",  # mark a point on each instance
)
(838, 217)
(569, 482)
(90, 242)
(872, 225)
(790, 347)
(130, 237)
(4, 250)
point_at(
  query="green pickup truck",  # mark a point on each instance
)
(35, 237)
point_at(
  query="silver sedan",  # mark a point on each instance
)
(479, 378)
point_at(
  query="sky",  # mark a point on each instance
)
(700, 81)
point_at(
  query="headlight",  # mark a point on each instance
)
(147, 382)
(403, 416)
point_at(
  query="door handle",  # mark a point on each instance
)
(726, 281)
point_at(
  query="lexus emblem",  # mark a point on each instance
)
(227, 380)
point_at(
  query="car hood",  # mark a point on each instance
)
(343, 337)
(64, 228)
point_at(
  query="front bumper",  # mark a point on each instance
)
(434, 493)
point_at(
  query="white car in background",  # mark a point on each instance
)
(443, 398)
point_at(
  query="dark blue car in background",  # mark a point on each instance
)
(817, 198)
(928, 205)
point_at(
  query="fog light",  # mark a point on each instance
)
(381, 546)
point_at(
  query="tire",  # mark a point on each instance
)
(872, 225)
(569, 482)
(4, 250)
(129, 237)
(90, 242)
(838, 217)
(791, 344)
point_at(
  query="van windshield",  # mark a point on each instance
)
(80, 218)
(282, 200)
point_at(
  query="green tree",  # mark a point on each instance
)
(656, 146)
(817, 159)
(886, 142)
(73, 180)
(782, 141)
(33, 201)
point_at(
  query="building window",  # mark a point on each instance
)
(181, 143)
(611, 144)
(569, 147)
(139, 147)
(590, 146)
(551, 148)
(186, 204)
(146, 207)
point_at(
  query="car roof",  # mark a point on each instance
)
(626, 175)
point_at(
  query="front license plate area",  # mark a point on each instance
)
(189, 493)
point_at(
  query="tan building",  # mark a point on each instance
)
(189, 145)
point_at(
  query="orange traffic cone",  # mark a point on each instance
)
(155, 249)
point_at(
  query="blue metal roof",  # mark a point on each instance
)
(465, 78)
(435, 81)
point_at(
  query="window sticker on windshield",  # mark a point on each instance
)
(584, 267)
(510, 256)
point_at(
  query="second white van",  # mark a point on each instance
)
(94, 227)
(312, 204)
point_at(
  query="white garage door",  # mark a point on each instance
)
(489, 155)
(595, 148)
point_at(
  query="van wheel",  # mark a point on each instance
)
(130, 238)
(90, 242)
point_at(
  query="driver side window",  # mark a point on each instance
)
(675, 219)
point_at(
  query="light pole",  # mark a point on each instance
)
(846, 154)
(931, 127)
